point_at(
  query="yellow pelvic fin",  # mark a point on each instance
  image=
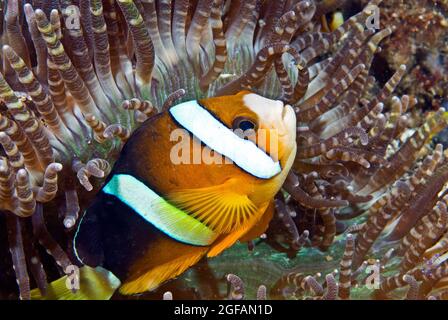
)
(223, 208)
(163, 261)
(94, 284)
(228, 240)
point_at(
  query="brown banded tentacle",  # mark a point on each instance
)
(386, 136)
(32, 127)
(46, 240)
(258, 69)
(344, 138)
(285, 82)
(117, 130)
(347, 55)
(236, 287)
(97, 126)
(292, 186)
(16, 248)
(262, 292)
(345, 268)
(238, 24)
(272, 13)
(102, 51)
(15, 157)
(348, 154)
(56, 89)
(285, 27)
(198, 23)
(164, 20)
(82, 61)
(142, 109)
(176, 95)
(35, 90)
(414, 287)
(151, 19)
(329, 224)
(72, 209)
(179, 21)
(49, 188)
(55, 22)
(144, 48)
(98, 168)
(379, 215)
(407, 154)
(64, 65)
(220, 43)
(38, 42)
(26, 201)
(371, 119)
(287, 222)
(311, 284)
(330, 98)
(18, 136)
(6, 184)
(432, 232)
(332, 288)
(425, 183)
(389, 87)
(13, 30)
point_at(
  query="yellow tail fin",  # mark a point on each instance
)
(94, 284)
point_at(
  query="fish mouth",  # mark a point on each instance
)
(289, 120)
(287, 131)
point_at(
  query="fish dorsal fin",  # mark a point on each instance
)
(221, 208)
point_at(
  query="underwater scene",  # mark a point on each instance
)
(223, 150)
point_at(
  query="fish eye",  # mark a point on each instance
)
(244, 123)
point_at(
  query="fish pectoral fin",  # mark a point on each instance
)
(228, 240)
(94, 284)
(159, 273)
(260, 226)
(223, 208)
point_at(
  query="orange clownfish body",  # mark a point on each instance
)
(189, 183)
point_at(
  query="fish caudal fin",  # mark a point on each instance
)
(94, 284)
(163, 261)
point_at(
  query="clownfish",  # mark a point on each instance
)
(168, 203)
(332, 22)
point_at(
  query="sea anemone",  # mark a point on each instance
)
(78, 77)
(419, 42)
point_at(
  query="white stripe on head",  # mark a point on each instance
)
(244, 153)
